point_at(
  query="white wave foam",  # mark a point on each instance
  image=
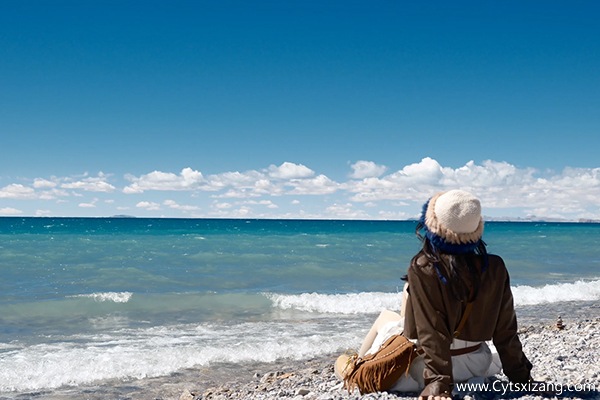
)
(577, 291)
(128, 353)
(115, 297)
(374, 302)
(350, 303)
(158, 351)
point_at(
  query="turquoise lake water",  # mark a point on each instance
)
(88, 299)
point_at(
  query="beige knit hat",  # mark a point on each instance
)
(455, 217)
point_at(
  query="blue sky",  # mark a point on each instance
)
(298, 109)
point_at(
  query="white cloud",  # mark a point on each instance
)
(46, 189)
(91, 204)
(244, 207)
(174, 205)
(17, 191)
(418, 181)
(10, 211)
(222, 206)
(411, 182)
(188, 179)
(241, 193)
(242, 185)
(393, 215)
(236, 179)
(289, 170)
(504, 189)
(266, 203)
(573, 193)
(223, 210)
(366, 169)
(488, 175)
(345, 211)
(89, 186)
(426, 172)
(40, 183)
(315, 186)
(249, 184)
(52, 194)
(148, 205)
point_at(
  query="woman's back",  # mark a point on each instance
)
(453, 273)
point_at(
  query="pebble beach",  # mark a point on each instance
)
(566, 364)
(565, 360)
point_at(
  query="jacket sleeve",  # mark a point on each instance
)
(433, 332)
(515, 364)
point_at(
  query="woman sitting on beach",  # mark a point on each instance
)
(452, 281)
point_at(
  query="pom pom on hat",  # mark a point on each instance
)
(454, 217)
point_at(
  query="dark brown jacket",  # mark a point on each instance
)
(433, 313)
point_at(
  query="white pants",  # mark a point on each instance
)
(483, 362)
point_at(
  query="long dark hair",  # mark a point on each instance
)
(460, 272)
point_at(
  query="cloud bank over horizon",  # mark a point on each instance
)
(293, 190)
